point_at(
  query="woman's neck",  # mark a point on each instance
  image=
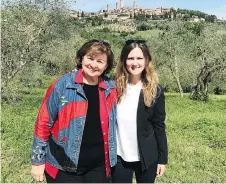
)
(90, 80)
(135, 80)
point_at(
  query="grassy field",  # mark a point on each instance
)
(196, 138)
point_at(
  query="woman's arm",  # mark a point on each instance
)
(45, 120)
(158, 121)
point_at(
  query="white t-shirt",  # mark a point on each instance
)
(126, 131)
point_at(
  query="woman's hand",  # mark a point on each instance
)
(160, 170)
(37, 172)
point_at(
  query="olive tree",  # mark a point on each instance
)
(29, 30)
(173, 50)
(211, 59)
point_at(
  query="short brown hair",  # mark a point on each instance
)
(95, 47)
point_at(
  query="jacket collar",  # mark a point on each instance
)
(104, 84)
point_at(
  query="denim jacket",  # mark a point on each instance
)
(61, 119)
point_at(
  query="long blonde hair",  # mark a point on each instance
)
(149, 76)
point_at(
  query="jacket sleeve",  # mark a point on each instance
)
(44, 123)
(158, 121)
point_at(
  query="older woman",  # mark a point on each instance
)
(74, 139)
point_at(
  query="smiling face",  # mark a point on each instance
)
(135, 62)
(94, 65)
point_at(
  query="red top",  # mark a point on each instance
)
(52, 171)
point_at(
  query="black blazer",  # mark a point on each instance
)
(152, 141)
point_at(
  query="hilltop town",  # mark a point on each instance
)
(122, 13)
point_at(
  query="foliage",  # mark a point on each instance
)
(183, 40)
(192, 13)
(28, 32)
(141, 17)
(210, 52)
(95, 21)
(173, 49)
(35, 37)
(144, 27)
(123, 15)
(54, 48)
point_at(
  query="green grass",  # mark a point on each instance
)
(197, 140)
(195, 130)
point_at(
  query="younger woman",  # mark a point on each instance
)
(141, 137)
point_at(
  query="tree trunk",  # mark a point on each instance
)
(179, 87)
(200, 90)
(175, 72)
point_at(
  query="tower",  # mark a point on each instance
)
(116, 6)
(107, 7)
(134, 4)
(121, 3)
